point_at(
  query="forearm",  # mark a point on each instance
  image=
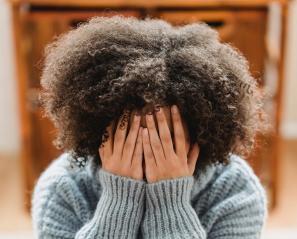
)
(119, 210)
(169, 213)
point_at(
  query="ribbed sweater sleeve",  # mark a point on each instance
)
(169, 213)
(66, 212)
(232, 206)
(119, 209)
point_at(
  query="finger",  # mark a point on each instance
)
(179, 134)
(137, 155)
(149, 158)
(131, 139)
(154, 139)
(106, 147)
(120, 134)
(165, 135)
(193, 157)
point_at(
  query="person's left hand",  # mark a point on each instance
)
(162, 161)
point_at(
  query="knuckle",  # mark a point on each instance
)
(136, 153)
(149, 154)
(145, 142)
(128, 144)
(166, 139)
(139, 139)
(134, 158)
(175, 116)
(150, 126)
(134, 127)
(157, 145)
(121, 136)
(161, 118)
(116, 140)
(178, 134)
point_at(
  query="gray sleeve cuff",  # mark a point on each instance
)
(169, 211)
(119, 210)
(171, 191)
(121, 187)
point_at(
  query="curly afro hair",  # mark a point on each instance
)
(93, 73)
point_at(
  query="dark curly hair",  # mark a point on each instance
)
(93, 73)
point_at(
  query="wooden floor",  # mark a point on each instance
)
(13, 218)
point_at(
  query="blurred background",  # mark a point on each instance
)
(264, 31)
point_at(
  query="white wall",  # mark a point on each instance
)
(289, 126)
(9, 124)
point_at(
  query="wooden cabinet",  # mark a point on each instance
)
(36, 23)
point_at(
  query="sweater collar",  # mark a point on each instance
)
(203, 179)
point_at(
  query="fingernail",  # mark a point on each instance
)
(174, 109)
(136, 118)
(149, 116)
(157, 108)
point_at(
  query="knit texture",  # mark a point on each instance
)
(226, 202)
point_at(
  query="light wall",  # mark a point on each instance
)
(289, 126)
(9, 117)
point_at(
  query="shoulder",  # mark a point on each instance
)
(237, 178)
(60, 175)
(59, 188)
(232, 186)
(239, 174)
(53, 176)
(59, 169)
(237, 183)
(234, 194)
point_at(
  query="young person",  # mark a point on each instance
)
(156, 122)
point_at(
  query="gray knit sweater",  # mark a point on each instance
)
(227, 201)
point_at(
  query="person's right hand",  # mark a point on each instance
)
(122, 155)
